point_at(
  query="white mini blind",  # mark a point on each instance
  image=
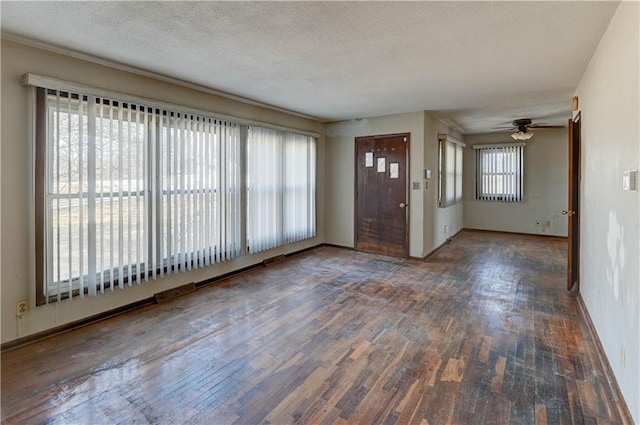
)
(280, 188)
(500, 172)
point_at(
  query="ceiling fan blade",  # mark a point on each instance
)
(504, 128)
(546, 126)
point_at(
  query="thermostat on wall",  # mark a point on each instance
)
(630, 180)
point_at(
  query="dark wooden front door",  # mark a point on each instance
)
(382, 210)
(573, 210)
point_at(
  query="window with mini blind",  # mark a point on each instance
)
(127, 191)
(500, 172)
(449, 171)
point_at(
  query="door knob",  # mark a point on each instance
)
(402, 205)
(569, 212)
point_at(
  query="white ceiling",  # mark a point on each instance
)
(473, 64)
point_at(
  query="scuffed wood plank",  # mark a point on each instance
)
(360, 350)
(485, 348)
(541, 414)
(354, 338)
(453, 371)
(407, 396)
(496, 384)
(498, 411)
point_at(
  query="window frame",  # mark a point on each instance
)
(42, 166)
(276, 166)
(506, 172)
(450, 170)
(43, 196)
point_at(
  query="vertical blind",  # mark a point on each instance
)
(281, 188)
(131, 193)
(458, 177)
(199, 170)
(96, 206)
(450, 171)
(500, 172)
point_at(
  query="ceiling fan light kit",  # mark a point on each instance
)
(522, 135)
(523, 127)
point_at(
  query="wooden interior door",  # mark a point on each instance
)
(382, 194)
(573, 210)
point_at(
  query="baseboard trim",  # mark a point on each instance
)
(623, 409)
(436, 249)
(68, 327)
(515, 233)
(49, 333)
(331, 245)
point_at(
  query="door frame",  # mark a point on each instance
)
(406, 189)
(573, 204)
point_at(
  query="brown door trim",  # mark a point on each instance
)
(573, 207)
(407, 184)
(40, 193)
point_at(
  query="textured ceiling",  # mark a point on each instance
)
(473, 64)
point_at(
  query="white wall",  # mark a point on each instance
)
(610, 217)
(17, 246)
(424, 216)
(545, 187)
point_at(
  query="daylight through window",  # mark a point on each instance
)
(450, 166)
(127, 192)
(500, 172)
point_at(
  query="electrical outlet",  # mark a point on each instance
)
(446, 228)
(548, 223)
(21, 307)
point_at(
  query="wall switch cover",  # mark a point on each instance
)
(427, 174)
(416, 185)
(630, 180)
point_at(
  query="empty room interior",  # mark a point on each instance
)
(320, 212)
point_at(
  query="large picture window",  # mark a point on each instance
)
(128, 192)
(500, 172)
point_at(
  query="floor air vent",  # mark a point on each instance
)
(273, 260)
(170, 294)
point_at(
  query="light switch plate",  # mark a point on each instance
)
(416, 185)
(630, 180)
(427, 174)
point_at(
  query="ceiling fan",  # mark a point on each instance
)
(523, 127)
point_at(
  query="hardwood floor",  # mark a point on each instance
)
(483, 332)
